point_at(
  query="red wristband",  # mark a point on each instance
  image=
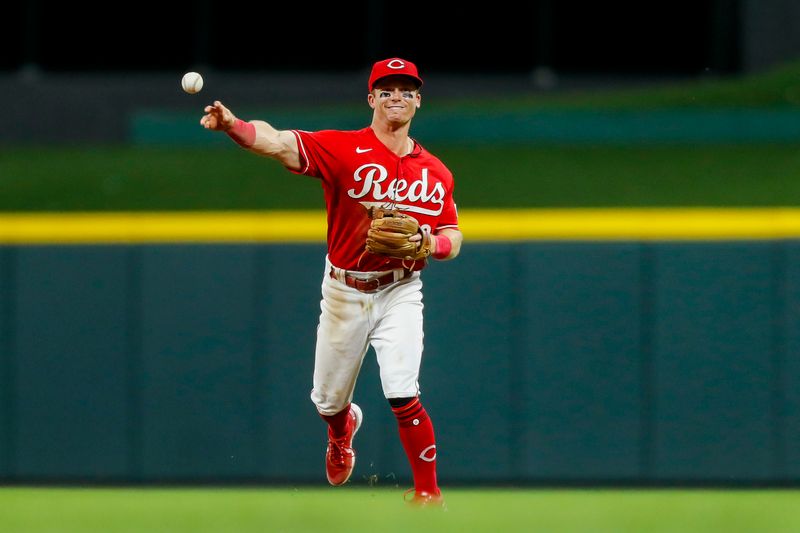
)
(443, 247)
(243, 133)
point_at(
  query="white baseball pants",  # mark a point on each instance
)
(389, 319)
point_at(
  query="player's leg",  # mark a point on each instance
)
(419, 442)
(341, 346)
(398, 342)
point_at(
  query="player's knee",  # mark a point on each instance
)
(328, 404)
(397, 403)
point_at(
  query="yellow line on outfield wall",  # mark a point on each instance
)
(477, 225)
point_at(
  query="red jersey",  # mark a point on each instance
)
(358, 171)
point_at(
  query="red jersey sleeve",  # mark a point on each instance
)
(317, 153)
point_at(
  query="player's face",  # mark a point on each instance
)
(395, 98)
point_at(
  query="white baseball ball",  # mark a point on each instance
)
(192, 82)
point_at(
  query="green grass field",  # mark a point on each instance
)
(362, 509)
(137, 178)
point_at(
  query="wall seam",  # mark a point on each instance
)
(647, 378)
(7, 358)
(778, 358)
(518, 347)
(133, 358)
(259, 339)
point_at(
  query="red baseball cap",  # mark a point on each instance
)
(394, 66)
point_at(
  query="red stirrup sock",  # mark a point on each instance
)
(416, 434)
(338, 422)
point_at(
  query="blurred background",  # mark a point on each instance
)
(579, 358)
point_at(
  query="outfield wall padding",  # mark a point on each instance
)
(595, 127)
(545, 362)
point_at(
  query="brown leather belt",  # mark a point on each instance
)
(370, 285)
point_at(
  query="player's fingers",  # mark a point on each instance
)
(224, 111)
(416, 237)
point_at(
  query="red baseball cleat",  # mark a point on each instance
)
(340, 457)
(423, 498)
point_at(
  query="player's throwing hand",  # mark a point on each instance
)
(217, 117)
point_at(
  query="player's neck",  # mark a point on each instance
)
(395, 139)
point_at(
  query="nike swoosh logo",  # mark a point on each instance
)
(360, 150)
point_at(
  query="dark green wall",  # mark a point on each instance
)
(545, 362)
(713, 361)
(70, 385)
(595, 127)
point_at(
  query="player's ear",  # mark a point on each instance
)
(371, 100)
(419, 100)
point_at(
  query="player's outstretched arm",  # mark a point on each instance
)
(280, 145)
(257, 136)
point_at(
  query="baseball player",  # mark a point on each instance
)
(390, 207)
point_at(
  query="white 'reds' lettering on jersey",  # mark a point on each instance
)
(373, 178)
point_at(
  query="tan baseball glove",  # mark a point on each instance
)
(389, 232)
